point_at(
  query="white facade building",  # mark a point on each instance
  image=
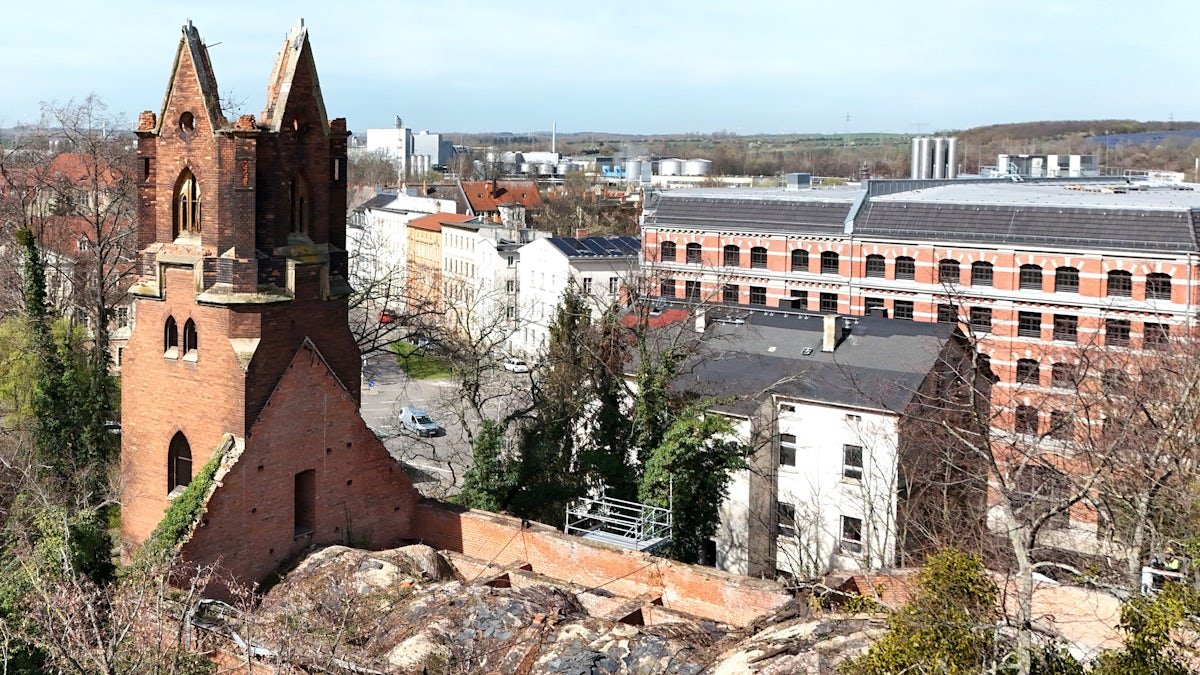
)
(602, 269)
(414, 154)
(833, 410)
(1048, 166)
(395, 144)
(379, 249)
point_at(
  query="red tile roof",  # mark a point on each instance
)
(433, 222)
(486, 196)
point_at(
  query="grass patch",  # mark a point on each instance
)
(418, 363)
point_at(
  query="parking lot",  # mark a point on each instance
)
(437, 463)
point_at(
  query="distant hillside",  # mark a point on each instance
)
(1122, 144)
(1063, 129)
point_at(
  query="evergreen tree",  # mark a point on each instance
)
(605, 452)
(489, 484)
(690, 472)
(547, 469)
(73, 397)
(652, 408)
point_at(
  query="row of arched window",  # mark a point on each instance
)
(949, 271)
(191, 340)
(186, 206)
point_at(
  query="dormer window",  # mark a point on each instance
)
(187, 205)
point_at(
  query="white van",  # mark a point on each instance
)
(419, 422)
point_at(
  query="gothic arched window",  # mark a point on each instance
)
(179, 463)
(187, 205)
(190, 339)
(171, 337)
(299, 215)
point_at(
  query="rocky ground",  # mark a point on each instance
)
(411, 610)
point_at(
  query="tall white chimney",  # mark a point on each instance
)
(832, 334)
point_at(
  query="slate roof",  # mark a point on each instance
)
(1077, 215)
(597, 247)
(1125, 229)
(879, 364)
(379, 201)
(1124, 216)
(815, 211)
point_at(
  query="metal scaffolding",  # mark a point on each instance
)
(631, 525)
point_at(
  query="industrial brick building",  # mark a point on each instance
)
(1036, 272)
(1031, 268)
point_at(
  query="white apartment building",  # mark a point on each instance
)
(602, 269)
(379, 248)
(831, 407)
(479, 276)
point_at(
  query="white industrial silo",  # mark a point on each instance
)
(633, 168)
(696, 167)
(952, 157)
(939, 158)
(670, 167)
(915, 160)
(925, 152)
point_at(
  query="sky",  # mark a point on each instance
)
(748, 66)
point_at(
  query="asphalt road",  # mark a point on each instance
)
(436, 463)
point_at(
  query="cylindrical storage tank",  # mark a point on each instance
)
(952, 158)
(923, 156)
(939, 158)
(564, 168)
(545, 169)
(670, 167)
(915, 159)
(491, 157)
(696, 167)
(524, 168)
(633, 168)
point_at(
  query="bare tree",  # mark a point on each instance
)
(72, 184)
(1111, 428)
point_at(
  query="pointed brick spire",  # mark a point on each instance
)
(194, 54)
(294, 69)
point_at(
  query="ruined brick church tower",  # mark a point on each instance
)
(241, 345)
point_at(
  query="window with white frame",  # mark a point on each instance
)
(613, 284)
(852, 461)
(786, 514)
(787, 450)
(852, 535)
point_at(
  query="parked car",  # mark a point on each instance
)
(514, 365)
(419, 422)
(387, 316)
